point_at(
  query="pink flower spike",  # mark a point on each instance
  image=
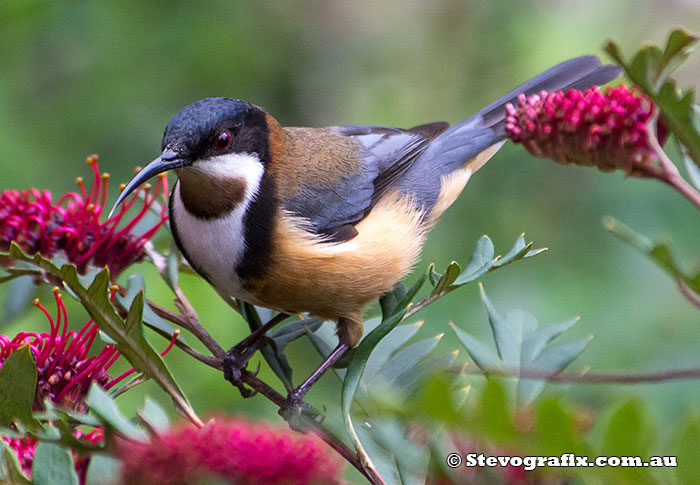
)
(608, 130)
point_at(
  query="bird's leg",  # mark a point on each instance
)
(295, 398)
(237, 357)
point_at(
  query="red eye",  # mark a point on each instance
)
(223, 141)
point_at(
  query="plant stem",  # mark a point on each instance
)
(593, 378)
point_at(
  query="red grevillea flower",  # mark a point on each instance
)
(64, 367)
(230, 450)
(72, 225)
(608, 130)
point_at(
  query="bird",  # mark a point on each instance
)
(322, 221)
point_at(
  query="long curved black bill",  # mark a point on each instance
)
(169, 159)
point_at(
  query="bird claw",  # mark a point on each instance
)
(235, 363)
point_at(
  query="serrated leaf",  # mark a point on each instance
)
(18, 376)
(536, 341)
(132, 346)
(104, 406)
(482, 355)
(388, 346)
(53, 463)
(404, 361)
(409, 380)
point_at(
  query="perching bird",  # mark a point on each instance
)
(322, 220)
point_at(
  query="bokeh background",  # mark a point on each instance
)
(105, 77)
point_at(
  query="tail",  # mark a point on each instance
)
(459, 146)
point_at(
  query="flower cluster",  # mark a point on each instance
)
(24, 449)
(230, 450)
(608, 130)
(65, 368)
(72, 225)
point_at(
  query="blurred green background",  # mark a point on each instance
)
(105, 77)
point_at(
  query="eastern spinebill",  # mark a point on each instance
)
(322, 220)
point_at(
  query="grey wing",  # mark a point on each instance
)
(387, 153)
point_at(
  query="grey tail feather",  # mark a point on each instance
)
(578, 73)
(467, 138)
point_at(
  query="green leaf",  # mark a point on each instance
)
(556, 430)
(687, 445)
(172, 268)
(104, 406)
(291, 331)
(388, 346)
(103, 470)
(627, 432)
(482, 261)
(53, 463)
(134, 285)
(650, 69)
(493, 415)
(131, 344)
(521, 345)
(660, 253)
(404, 361)
(482, 355)
(154, 416)
(10, 469)
(693, 171)
(18, 376)
(18, 296)
(389, 302)
(448, 278)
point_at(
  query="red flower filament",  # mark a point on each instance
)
(73, 225)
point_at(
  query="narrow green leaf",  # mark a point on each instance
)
(18, 377)
(388, 346)
(433, 277)
(154, 416)
(53, 463)
(135, 284)
(482, 355)
(536, 341)
(693, 171)
(411, 378)
(659, 253)
(293, 330)
(557, 357)
(389, 302)
(448, 278)
(104, 406)
(481, 262)
(556, 432)
(10, 469)
(103, 470)
(405, 361)
(172, 269)
(493, 413)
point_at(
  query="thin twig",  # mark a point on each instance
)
(671, 175)
(687, 292)
(592, 378)
(327, 436)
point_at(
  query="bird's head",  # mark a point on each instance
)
(208, 137)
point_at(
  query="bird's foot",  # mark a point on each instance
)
(236, 362)
(292, 407)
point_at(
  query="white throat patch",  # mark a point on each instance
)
(217, 245)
